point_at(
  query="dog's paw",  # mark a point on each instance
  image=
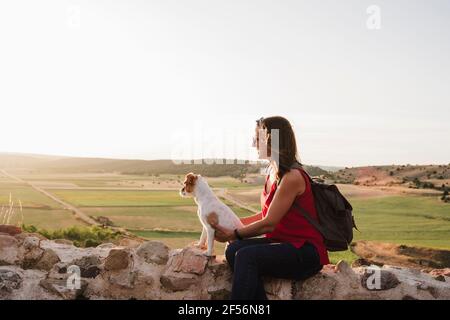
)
(209, 255)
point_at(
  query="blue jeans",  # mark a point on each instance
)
(252, 258)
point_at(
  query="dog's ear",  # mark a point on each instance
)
(190, 178)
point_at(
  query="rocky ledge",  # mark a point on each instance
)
(32, 267)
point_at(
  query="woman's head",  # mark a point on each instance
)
(276, 133)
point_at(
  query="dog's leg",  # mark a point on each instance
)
(202, 242)
(210, 232)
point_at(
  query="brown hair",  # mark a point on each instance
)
(287, 153)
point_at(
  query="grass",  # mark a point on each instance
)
(32, 207)
(46, 218)
(175, 218)
(27, 195)
(124, 198)
(167, 217)
(80, 236)
(414, 220)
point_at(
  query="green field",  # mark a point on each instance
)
(49, 219)
(416, 220)
(121, 198)
(28, 196)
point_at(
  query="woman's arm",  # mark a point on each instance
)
(291, 185)
(250, 219)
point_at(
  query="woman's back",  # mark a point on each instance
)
(293, 227)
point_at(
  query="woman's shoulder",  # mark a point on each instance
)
(294, 179)
(294, 173)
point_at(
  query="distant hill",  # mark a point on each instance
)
(51, 164)
(330, 168)
(416, 176)
(18, 160)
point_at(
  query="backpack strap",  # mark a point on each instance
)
(304, 212)
(308, 217)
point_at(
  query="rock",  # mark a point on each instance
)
(324, 285)
(188, 260)
(122, 279)
(69, 253)
(361, 262)
(219, 268)
(48, 259)
(31, 242)
(9, 280)
(63, 241)
(343, 267)
(178, 281)
(107, 245)
(183, 268)
(60, 288)
(440, 272)
(89, 265)
(154, 252)
(377, 279)
(130, 243)
(136, 281)
(22, 236)
(10, 230)
(27, 288)
(401, 255)
(279, 289)
(219, 293)
(9, 250)
(90, 272)
(440, 278)
(117, 259)
(31, 252)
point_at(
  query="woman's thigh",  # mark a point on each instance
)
(282, 260)
(233, 247)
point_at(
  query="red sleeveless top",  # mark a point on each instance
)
(293, 227)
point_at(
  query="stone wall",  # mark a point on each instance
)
(32, 267)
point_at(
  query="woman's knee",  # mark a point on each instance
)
(231, 250)
(236, 246)
(246, 254)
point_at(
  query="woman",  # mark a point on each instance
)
(291, 247)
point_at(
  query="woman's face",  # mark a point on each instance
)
(260, 143)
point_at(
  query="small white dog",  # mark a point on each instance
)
(211, 211)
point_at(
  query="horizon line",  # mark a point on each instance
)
(234, 159)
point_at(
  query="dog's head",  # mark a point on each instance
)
(189, 184)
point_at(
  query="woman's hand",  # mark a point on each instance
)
(223, 234)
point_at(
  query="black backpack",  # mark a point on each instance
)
(334, 212)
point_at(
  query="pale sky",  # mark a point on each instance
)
(154, 79)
